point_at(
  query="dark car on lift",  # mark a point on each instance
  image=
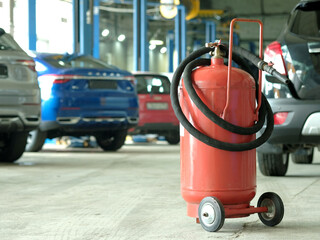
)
(296, 54)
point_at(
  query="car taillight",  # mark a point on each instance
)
(28, 63)
(274, 54)
(47, 81)
(280, 118)
(55, 78)
(62, 79)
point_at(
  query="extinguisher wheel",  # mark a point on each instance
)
(275, 209)
(211, 214)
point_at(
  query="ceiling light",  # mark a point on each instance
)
(152, 46)
(121, 37)
(163, 50)
(168, 8)
(156, 42)
(105, 32)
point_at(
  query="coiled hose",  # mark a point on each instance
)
(238, 55)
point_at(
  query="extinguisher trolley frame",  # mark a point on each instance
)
(230, 61)
(234, 212)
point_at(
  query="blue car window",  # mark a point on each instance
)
(61, 61)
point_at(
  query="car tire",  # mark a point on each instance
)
(273, 164)
(35, 140)
(14, 147)
(112, 141)
(173, 138)
(303, 156)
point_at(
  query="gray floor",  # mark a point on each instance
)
(134, 194)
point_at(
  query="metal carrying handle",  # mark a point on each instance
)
(230, 61)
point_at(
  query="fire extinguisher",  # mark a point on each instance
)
(221, 108)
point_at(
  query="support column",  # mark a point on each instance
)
(140, 39)
(75, 27)
(96, 29)
(32, 25)
(136, 35)
(86, 31)
(210, 31)
(180, 34)
(236, 39)
(144, 44)
(11, 6)
(170, 49)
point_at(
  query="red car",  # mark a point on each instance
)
(156, 115)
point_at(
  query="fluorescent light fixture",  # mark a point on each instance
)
(152, 46)
(156, 42)
(105, 32)
(121, 37)
(163, 50)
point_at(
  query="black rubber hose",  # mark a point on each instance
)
(259, 63)
(199, 135)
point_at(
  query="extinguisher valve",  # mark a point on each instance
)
(217, 52)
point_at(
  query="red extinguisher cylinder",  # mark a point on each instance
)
(208, 171)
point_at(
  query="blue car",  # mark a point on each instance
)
(83, 96)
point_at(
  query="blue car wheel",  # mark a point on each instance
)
(112, 141)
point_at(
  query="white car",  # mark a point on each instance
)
(20, 103)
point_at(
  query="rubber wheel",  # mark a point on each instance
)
(14, 147)
(303, 156)
(211, 214)
(36, 139)
(275, 209)
(112, 141)
(173, 138)
(272, 164)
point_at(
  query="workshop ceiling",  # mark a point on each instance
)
(273, 13)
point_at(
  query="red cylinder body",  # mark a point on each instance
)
(207, 171)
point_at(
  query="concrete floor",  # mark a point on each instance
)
(86, 194)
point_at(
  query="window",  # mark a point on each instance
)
(307, 20)
(71, 61)
(7, 43)
(152, 84)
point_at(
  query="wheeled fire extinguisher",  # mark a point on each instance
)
(221, 108)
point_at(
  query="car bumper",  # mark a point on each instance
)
(302, 125)
(154, 128)
(88, 124)
(16, 123)
(20, 117)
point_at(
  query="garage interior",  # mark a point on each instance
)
(65, 192)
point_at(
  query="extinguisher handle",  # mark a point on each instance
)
(230, 61)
